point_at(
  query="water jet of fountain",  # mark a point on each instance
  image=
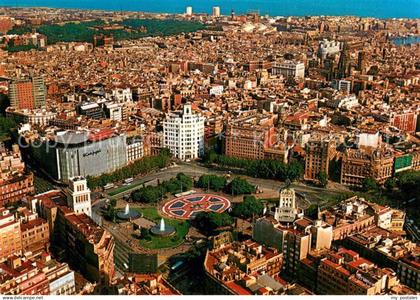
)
(127, 209)
(162, 225)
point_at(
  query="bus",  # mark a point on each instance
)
(128, 180)
(109, 186)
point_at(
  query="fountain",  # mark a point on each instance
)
(162, 229)
(128, 213)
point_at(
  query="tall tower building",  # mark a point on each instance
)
(319, 151)
(287, 211)
(360, 61)
(189, 11)
(27, 93)
(183, 133)
(216, 11)
(343, 62)
(79, 198)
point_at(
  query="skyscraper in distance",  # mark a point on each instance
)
(216, 11)
(189, 11)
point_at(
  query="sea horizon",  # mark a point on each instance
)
(387, 9)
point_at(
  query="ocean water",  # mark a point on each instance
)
(362, 8)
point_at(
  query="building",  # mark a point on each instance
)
(87, 247)
(289, 69)
(122, 95)
(82, 153)
(388, 249)
(40, 275)
(79, 196)
(247, 141)
(10, 235)
(184, 133)
(135, 148)
(40, 117)
(349, 217)
(343, 102)
(409, 271)
(189, 11)
(246, 268)
(319, 150)
(146, 284)
(91, 110)
(342, 85)
(404, 120)
(327, 48)
(15, 182)
(113, 111)
(255, 137)
(344, 272)
(287, 211)
(216, 11)
(27, 93)
(6, 24)
(35, 232)
(294, 241)
(358, 164)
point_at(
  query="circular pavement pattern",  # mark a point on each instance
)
(186, 207)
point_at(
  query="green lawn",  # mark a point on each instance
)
(156, 242)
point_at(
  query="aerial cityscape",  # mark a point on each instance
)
(210, 148)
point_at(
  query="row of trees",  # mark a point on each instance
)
(182, 183)
(213, 182)
(266, 168)
(141, 166)
(84, 31)
(152, 194)
(237, 186)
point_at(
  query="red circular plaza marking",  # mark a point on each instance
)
(186, 207)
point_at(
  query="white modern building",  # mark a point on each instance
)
(216, 89)
(344, 101)
(189, 11)
(114, 111)
(216, 11)
(289, 68)
(342, 85)
(183, 133)
(122, 95)
(79, 196)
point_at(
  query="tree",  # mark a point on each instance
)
(239, 186)
(323, 178)
(144, 232)
(214, 182)
(210, 221)
(409, 184)
(250, 207)
(4, 103)
(369, 184)
(148, 194)
(390, 184)
(111, 212)
(186, 181)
